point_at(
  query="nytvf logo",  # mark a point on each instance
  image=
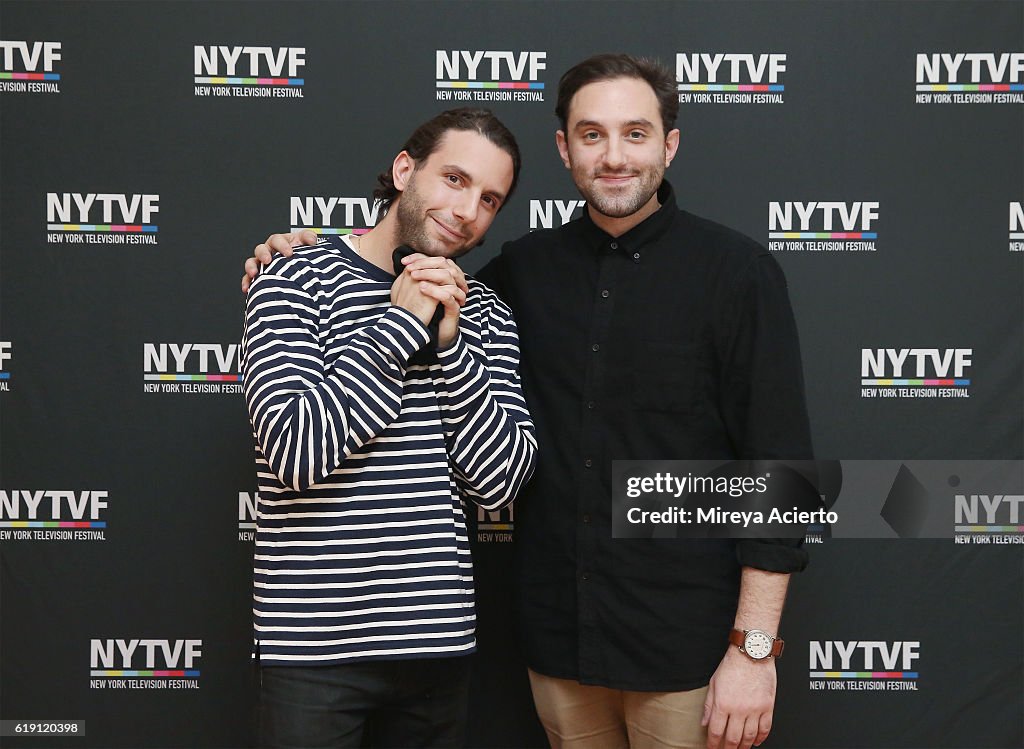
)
(52, 504)
(858, 216)
(495, 526)
(494, 66)
(970, 67)
(274, 62)
(182, 358)
(145, 654)
(864, 655)
(729, 68)
(915, 362)
(985, 509)
(26, 57)
(326, 213)
(101, 208)
(1017, 225)
(544, 213)
(246, 516)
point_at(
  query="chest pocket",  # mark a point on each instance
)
(662, 376)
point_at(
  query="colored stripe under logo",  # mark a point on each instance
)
(185, 674)
(918, 383)
(970, 87)
(863, 674)
(328, 230)
(144, 228)
(989, 529)
(731, 87)
(490, 84)
(193, 378)
(823, 235)
(52, 524)
(220, 80)
(29, 76)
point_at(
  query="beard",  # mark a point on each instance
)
(618, 202)
(412, 221)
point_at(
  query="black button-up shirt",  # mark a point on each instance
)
(674, 341)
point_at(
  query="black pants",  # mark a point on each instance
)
(396, 703)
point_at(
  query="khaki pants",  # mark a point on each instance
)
(576, 716)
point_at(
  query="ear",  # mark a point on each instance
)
(671, 145)
(563, 148)
(403, 166)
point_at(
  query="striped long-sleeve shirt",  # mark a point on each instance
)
(363, 460)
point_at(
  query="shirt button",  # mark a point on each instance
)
(588, 462)
(585, 576)
(605, 293)
(636, 257)
(596, 347)
(614, 245)
(590, 405)
(586, 519)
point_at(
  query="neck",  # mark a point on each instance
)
(616, 227)
(378, 243)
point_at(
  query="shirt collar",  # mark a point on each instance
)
(646, 231)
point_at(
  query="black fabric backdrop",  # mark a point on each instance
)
(82, 323)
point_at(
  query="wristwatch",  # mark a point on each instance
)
(756, 644)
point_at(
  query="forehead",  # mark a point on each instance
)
(614, 101)
(475, 155)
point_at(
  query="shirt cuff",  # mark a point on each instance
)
(400, 334)
(771, 556)
(451, 353)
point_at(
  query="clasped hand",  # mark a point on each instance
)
(425, 283)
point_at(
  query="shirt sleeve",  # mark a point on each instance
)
(762, 401)
(487, 427)
(309, 414)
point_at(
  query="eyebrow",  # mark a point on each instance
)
(632, 123)
(469, 178)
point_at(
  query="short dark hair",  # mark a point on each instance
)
(426, 138)
(608, 66)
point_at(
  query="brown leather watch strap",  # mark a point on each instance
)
(737, 636)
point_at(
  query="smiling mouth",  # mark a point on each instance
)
(448, 230)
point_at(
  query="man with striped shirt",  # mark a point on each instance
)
(370, 430)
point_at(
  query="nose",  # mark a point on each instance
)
(614, 154)
(466, 207)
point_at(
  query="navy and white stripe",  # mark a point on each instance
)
(362, 460)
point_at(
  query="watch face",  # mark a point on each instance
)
(757, 644)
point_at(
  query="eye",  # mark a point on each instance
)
(591, 135)
(637, 135)
(490, 201)
(454, 179)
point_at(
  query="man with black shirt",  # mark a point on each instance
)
(646, 333)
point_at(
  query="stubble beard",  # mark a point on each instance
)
(618, 203)
(411, 222)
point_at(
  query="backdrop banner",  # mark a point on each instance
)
(875, 148)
